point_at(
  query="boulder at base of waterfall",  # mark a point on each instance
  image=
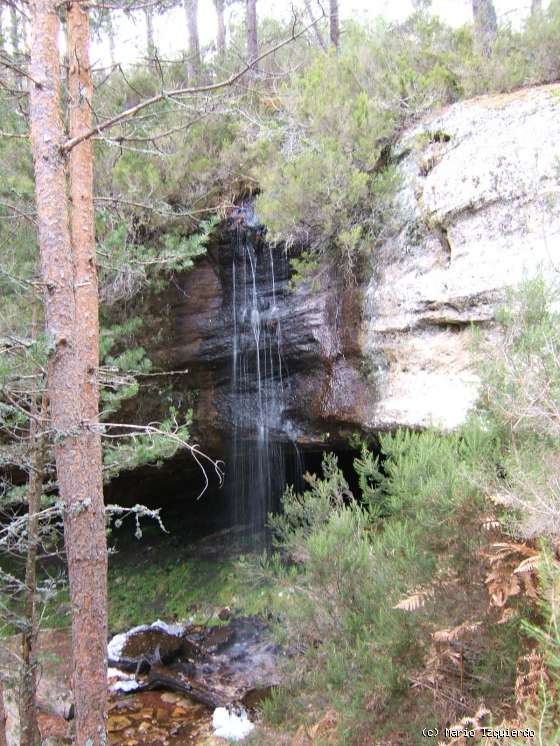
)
(145, 645)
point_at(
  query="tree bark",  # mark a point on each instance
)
(485, 26)
(536, 7)
(150, 46)
(71, 317)
(334, 23)
(221, 35)
(3, 738)
(252, 38)
(29, 728)
(193, 59)
(316, 28)
(86, 543)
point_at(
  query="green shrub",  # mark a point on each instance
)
(342, 564)
(521, 402)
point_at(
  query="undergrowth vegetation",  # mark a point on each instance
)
(432, 596)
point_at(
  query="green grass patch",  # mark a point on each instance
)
(183, 588)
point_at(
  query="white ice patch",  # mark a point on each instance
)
(124, 686)
(231, 726)
(116, 645)
(172, 629)
(116, 673)
(126, 681)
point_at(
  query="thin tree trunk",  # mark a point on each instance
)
(3, 738)
(334, 23)
(72, 373)
(14, 31)
(536, 7)
(221, 35)
(316, 28)
(150, 46)
(193, 59)
(29, 728)
(111, 37)
(86, 545)
(252, 39)
(485, 26)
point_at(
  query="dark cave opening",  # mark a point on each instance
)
(175, 489)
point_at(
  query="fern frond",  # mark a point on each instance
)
(452, 634)
(415, 601)
(530, 564)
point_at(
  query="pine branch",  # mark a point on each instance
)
(179, 92)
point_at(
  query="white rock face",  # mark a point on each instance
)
(479, 210)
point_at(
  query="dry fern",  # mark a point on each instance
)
(418, 598)
(456, 633)
(507, 576)
(502, 584)
(491, 523)
(446, 657)
(415, 601)
(530, 676)
(467, 725)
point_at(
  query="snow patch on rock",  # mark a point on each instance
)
(126, 682)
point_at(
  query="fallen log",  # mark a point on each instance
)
(179, 678)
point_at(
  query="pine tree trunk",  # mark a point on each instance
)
(316, 28)
(150, 46)
(3, 738)
(29, 728)
(221, 35)
(193, 60)
(86, 545)
(485, 26)
(71, 320)
(334, 23)
(252, 39)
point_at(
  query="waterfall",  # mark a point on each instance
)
(263, 458)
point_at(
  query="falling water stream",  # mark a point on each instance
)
(263, 458)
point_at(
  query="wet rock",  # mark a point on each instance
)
(217, 638)
(117, 723)
(396, 351)
(181, 677)
(151, 644)
(254, 698)
(215, 666)
(224, 614)
(142, 646)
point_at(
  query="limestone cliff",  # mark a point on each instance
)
(477, 210)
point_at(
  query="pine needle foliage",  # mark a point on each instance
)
(358, 575)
